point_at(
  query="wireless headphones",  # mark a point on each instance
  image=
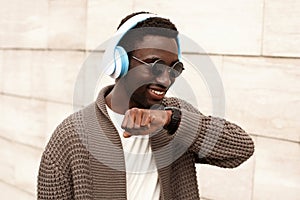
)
(115, 58)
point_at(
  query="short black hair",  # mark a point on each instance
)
(157, 22)
(151, 26)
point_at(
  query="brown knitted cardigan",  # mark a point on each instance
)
(84, 157)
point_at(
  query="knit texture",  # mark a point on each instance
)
(84, 158)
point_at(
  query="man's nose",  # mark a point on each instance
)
(164, 78)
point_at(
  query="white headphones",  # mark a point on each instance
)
(115, 58)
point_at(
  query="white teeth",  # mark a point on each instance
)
(157, 92)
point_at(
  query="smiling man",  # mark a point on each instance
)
(134, 142)
(152, 72)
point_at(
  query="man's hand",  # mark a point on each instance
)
(144, 121)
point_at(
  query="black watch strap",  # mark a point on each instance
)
(175, 120)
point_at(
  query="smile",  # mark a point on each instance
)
(157, 92)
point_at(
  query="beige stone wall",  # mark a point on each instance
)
(255, 46)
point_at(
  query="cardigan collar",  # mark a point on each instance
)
(100, 101)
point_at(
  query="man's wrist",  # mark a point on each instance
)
(169, 116)
(174, 118)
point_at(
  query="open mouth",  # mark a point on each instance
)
(159, 93)
(156, 92)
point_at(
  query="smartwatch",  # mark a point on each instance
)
(175, 120)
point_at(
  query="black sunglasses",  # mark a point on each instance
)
(159, 66)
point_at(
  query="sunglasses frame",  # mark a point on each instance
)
(156, 61)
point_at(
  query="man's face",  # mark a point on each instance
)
(145, 88)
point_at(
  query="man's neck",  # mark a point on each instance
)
(117, 100)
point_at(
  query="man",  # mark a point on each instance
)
(133, 142)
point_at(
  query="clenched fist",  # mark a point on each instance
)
(144, 121)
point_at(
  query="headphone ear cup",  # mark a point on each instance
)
(121, 62)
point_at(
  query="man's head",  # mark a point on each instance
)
(153, 40)
(151, 26)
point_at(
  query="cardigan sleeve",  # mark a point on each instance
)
(213, 140)
(52, 183)
(54, 177)
(63, 171)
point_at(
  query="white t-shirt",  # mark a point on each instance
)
(141, 171)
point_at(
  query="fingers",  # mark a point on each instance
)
(136, 121)
(138, 114)
(132, 118)
(136, 118)
(142, 121)
(146, 119)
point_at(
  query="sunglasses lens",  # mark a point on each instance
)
(158, 67)
(174, 73)
(176, 69)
